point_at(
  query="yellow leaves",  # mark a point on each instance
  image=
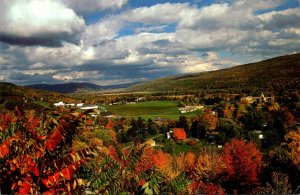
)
(293, 138)
(166, 164)
(186, 161)
(208, 166)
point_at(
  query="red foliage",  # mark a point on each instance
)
(289, 119)
(89, 122)
(4, 149)
(208, 119)
(146, 161)
(242, 161)
(179, 134)
(161, 159)
(27, 160)
(5, 120)
(56, 137)
(190, 159)
(109, 125)
(205, 188)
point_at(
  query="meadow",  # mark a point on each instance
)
(151, 109)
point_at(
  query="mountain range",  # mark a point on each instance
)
(78, 87)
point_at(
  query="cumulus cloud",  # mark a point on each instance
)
(86, 6)
(35, 22)
(142, 43)
(77, 75)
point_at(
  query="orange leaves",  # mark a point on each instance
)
(6, 120)
(146, 161)
(56, 137)
(293, 137)
(28, 162)
(189, 160)
(162, 159)
(186, 161)
(25, 188)
(4, 149)
(179, 134)
(66, 173)
(109, 125)
(208, 119)
(209, 166)
(242, 161)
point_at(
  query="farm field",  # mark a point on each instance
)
(151, 109)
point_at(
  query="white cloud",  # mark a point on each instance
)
(144, 42)
(68, 55)
(85, 6)
(77, 75)
(33, 22)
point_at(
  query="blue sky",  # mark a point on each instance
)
(122, 41)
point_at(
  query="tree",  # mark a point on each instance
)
(242, 161)
(289, 120)
(141, 125)
(279, 185)
(183, 123)
(179, 134)
(197, 130)
(293, 139)
(152, 127)
(229, 129)
(208, 120)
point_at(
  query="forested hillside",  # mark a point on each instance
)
(272, 74)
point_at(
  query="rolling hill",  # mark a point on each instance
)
(272, 74)
(13, 95)
(77, 87)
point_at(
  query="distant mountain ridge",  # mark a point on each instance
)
(77, 87)
(272, 74)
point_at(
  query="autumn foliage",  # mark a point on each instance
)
(179, 134)
(293, 139)
(35, 155)
(242, 161)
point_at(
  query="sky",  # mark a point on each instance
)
(121, 41)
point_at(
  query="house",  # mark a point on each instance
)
(89, 107)
(139, 99)
(79, 104)
(150, 142)
(251, 99)
(69, 105)
(259, 133)
(187, 109)
(59, 104)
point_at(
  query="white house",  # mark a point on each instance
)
(89, 107)
(59, 104)
(79, 104)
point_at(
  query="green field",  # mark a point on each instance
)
(151, 109)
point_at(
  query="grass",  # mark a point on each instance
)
(177, 148)
(151, 109)
(43, 104)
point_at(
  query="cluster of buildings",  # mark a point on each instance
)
(187, 109)
(79, 105)
(262, 97)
